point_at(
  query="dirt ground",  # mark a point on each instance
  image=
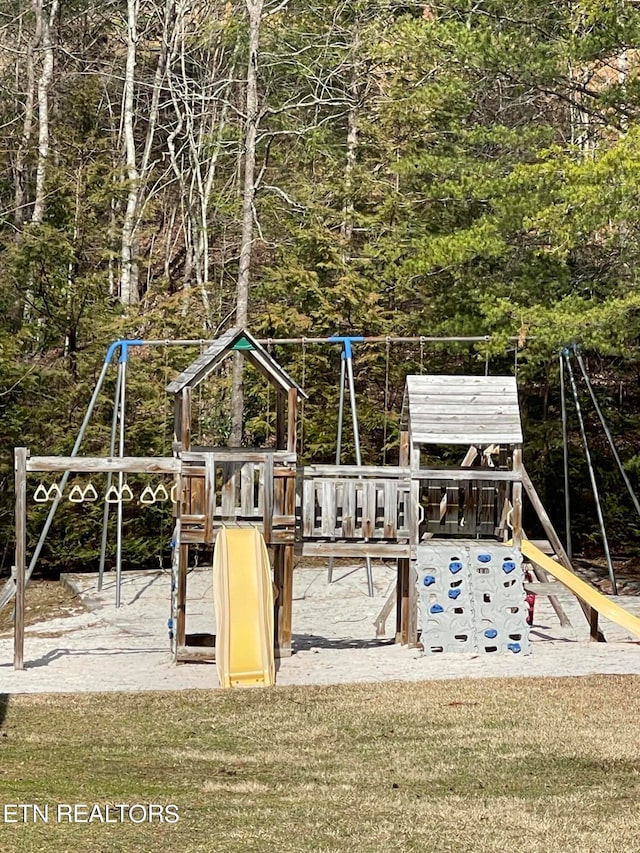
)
(47, 599)
(79, 643)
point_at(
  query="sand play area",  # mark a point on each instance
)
(96, 647)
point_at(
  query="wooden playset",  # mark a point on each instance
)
(447, 526)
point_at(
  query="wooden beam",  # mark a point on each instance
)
(403, 472)
(591, 614)
(547, 588)
(21, 454)
(404, 448)
(195, 654)
(237, 454)
(104, 464)
(470, 457)
(357, 548)
(379, 623)
(543, 579)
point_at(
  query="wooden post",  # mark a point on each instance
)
(402, 599)
(404, 448)
(283, 580)
(185, 418)
(281, 425)
(177, 419)
(402, 602)
(516, 513)
(283, 575)
(292, 415)
(20, 555)
(268, 498)
(183, 565)
(411, 606)
(407, 605)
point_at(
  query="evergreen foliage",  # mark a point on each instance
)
(423, 168)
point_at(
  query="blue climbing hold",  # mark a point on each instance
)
(428, 580)
(484, 558)
(514, 647)
(508, 566)
(436, 608)
(491, 633)
(455, 566)
(453, 593)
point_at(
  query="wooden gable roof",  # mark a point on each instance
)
(462, 410)
(234, 340)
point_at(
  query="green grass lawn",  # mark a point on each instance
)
(535, 766)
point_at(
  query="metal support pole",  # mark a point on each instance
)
(338, 441)
(565, 458)
(9, 589)
(356, 439)
(607, 432)
(123, 385)
(592, 475)
(340, 409)
(20, 557)
(354, 413)
(112, 450)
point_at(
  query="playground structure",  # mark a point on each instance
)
(447, 524)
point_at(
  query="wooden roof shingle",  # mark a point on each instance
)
(463, 410)
(230, 341)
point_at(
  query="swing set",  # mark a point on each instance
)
(565, 365)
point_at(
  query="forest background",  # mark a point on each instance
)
(171, 167)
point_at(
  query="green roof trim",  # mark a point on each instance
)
(243, 344)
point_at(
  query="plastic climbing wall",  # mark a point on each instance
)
(471, 598)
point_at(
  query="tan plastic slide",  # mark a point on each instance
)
(243, 597)
(607, 608)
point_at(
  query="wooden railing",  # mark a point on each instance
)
(335, 504)
(237, 488)
(354, 502)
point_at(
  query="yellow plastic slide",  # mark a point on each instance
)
(243, 597)
(607, 608)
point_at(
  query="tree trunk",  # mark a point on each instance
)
(44, 81)
(22, 150)
(352, 138)
(129, 293)
(254, 9)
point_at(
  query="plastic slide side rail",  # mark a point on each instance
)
(607, 608)
(243, 596)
